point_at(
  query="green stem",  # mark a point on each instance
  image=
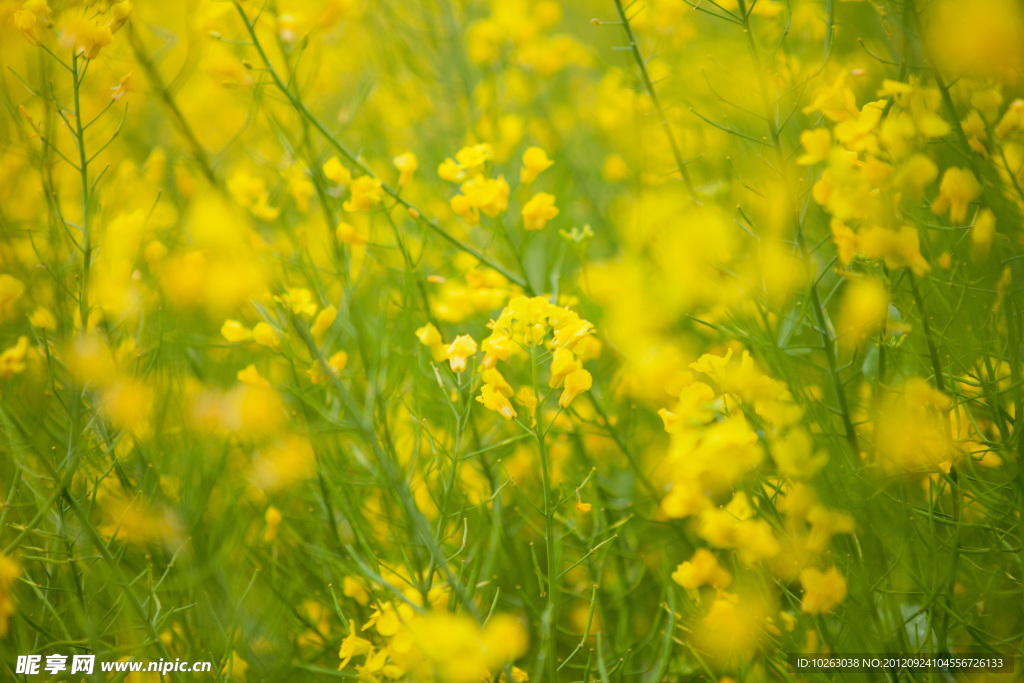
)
(549, 532)
(827, 342)
(641, 63)
(83, 164)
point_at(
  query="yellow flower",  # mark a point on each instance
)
(535, 160)
(864, 307)
(85, 37)
(834, 100)
(459, 350)
(816, 144)
(366, 193)
(915, 174)
(273, 520)
(323, 322)
(355, 590)
(823, 591)
(123, 87)
(539, 210)
(43, 319)
(449, 170)
(582, 507)
(119, 13)
(527, 398)
(733, 629)
(284, 462)
(795, 456)
(299, 301)
(353, 646)
(431, 338)
(347, 234)
(493, 399)
(702, 570)
(126, 403)
(33, 16)
(563, 364)
(494, 378)
(472, 158)
(911, 429)
(250, 376)
(983, 232)
(12, 359)
(479, 194)
(265, 335)
(235, 332)
(576, 383)
(11, 289)
(251, 192)
(959, 188)
(496, 347)
(982, 39)
(336, 172)
(336, 363)
(899, 249)
(406, 164)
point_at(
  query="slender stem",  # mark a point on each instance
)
(656, 101)
(153, 76)
(549, 531)
(827, 342)
(83, 166)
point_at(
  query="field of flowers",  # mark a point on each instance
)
(511, 340)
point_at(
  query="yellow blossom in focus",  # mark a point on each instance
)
(576, 383)
(353, 646)
(459, 350)
(493, 399)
